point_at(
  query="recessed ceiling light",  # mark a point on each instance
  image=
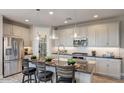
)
(51, 13)
(26, 20)
(96, 16)
(65, 22)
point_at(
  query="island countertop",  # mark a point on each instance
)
(84, 66)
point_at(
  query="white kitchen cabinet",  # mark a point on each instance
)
(104, 35)
(108, 67)
(97, 36)
(7, 29)
(26, 36)
(81, 31)
(66, 37)
(113, 34)
(91, 36)
(17, 31)
(101, 66)
(114, 68)
(101, 36)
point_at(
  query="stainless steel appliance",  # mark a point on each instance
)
(80, 42)
(79, 55)
(13, 54)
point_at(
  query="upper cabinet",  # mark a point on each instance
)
(99, 35)
(66, 37)
(81, 31)
(7, 29)
(91, 36)
(18, 31)
(113, 34)
(104, 35)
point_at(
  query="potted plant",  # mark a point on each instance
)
(33, 58)
(71, 61)
(48, 59)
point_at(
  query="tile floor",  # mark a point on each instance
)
(96, 79)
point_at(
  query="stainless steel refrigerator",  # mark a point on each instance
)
(13, 54)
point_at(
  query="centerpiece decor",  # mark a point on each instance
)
(48, 59)
(71, 61)
(33, 58)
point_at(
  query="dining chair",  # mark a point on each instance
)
(28, 71)
(43, 74)
(65, 74)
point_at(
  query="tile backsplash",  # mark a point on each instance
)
(99, 50)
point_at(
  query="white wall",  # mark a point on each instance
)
(35, 41)
(1, 45)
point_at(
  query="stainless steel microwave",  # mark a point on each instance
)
(80, 42)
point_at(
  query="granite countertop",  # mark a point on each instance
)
(84, 67)
(94, 56)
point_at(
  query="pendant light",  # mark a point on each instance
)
(75, 34)
(53, 34)
(75, 26)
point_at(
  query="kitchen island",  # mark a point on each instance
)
(83, 70)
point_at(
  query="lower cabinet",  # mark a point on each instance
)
(109, 67)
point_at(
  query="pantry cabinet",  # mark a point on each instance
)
(17, 31)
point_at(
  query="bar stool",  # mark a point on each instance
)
(65, 74)
(43, 74)
(28, 71)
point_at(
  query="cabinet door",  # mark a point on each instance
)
(91, 36)
(101, 35)
(66, 37)
(101, 66)
(113, 34)
(17, 31)
(7, 29)
(114, 69)
(81, 31)
(25, 36)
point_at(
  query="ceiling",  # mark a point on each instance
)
(42, 17)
